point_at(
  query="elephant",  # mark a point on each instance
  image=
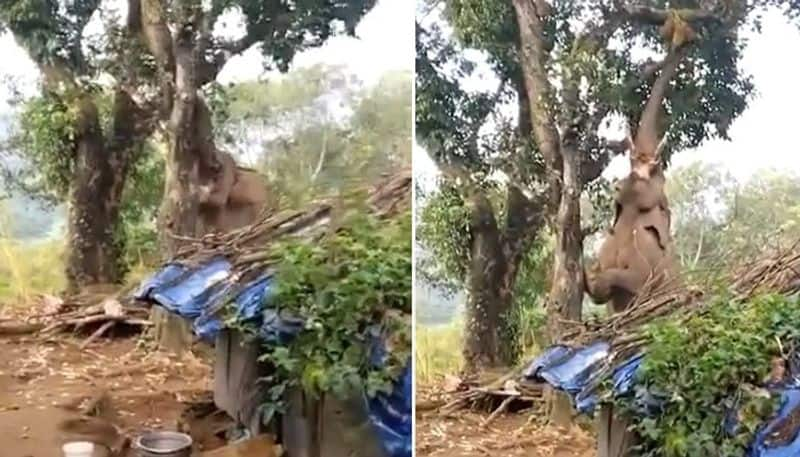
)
(638, 248)
(231, 197)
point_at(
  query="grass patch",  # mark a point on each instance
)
(437, 351)
(437, 348)
(27, 269)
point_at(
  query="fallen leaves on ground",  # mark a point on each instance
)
(465, 434)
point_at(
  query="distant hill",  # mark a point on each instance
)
(21, 217)
(435, 307)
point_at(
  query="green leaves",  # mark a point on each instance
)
(702, 364)
(444, 229)
(341, 285)
(46, 137)
(291, 27)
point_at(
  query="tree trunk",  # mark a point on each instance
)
(93, 251)
(540, 93)
(191, 144)
(490, 337)
(566, 292)
(481, 345)
(179, 209)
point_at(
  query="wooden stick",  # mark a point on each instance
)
(97, 333)
(19, 328)
(500, 410)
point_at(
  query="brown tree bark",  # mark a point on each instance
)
(102, 162)
(565, 301)
(563, 164)
(92, 252)
(534, 60)
(189, 135)
(481, 344)
(496, 255)
(101, 168)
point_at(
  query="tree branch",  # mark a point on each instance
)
(158, 40)
(534, 60)
(221, 53)
(524, 219)
(656, 16)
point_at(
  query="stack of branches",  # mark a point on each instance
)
(247, 248)
(90, 311)
(497, 396)
(778, 272)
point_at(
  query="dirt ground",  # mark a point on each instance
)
(518, 434)
(39, 380)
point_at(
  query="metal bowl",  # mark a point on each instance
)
(163, 444)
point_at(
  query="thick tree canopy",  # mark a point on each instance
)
(670, 70)
(600, 44)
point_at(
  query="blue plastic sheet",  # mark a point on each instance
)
(790, 402)
(577, 371)
(200, 293)
(390, 414)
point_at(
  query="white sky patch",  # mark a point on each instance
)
(763, 137)
(384, 42)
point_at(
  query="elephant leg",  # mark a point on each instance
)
(628, 280)
(616, 287)
(597, 286)
(600, 285)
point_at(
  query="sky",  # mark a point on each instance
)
(762, 137)
(384, 42)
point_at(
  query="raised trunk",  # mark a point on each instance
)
(648, 132)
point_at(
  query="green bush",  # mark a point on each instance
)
(340, 285)
(716, 360)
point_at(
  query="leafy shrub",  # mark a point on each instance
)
(704, 367)
(341, 285)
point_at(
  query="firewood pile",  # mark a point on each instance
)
(246, 249)
(778, 272)
(92, 312)
(496, 396)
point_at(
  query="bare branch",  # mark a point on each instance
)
(656, 16)
(221, 52)
(534, 59)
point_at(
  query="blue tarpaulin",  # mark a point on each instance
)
(577, 371)
(199, 293)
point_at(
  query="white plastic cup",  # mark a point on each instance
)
(78, 449)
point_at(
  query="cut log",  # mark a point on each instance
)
(19, 328)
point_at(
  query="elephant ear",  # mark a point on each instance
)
(617, 212)
(656, 222)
